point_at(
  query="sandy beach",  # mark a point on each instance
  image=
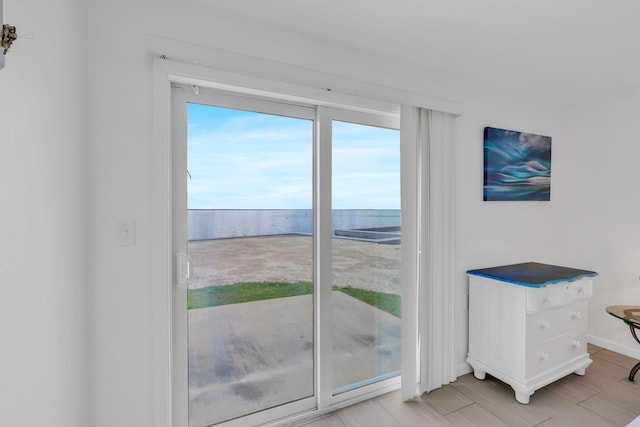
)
(358, 264)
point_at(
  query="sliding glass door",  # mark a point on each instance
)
(286, 231)
(365, 254)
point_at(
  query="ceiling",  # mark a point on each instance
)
(565, 50)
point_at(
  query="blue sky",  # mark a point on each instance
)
(245, 160)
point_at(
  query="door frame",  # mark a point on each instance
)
(162, 263)
(326, 116)
(181, 96)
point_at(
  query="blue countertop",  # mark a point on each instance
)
(532, 274)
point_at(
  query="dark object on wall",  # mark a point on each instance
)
(517, 166)
(9, 35)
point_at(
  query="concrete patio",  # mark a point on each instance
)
(256, 355)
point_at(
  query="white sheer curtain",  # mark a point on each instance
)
(427, 161)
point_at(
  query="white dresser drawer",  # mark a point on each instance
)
(557, 295)
(542, 325)
(553, 352)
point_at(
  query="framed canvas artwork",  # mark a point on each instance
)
(517, 166)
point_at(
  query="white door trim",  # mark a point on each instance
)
(241, 70)
(165, 73)
(161, 256)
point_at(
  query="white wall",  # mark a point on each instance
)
(118, 165)
(46, 111)
(120, 173)
(43, 286)
(605, 135)
(591, 221)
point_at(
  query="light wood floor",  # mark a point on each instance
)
(603, 397)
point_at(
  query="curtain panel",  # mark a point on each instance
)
(427, 159)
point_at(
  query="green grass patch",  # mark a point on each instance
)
(236, 293)
(386, 302)
(244, 292)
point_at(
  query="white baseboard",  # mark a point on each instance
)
(615, 346)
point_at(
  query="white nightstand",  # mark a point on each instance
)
(527, 324)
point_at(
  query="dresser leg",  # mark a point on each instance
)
(479, 374)
(522, 397)
(581, 372)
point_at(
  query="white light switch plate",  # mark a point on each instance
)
(126, 232)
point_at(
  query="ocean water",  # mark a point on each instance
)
(207, 224)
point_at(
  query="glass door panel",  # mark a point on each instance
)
(365, 254)
(250, 241)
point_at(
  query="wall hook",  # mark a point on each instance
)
(9, 35)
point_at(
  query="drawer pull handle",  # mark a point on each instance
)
(544, 356)
(577, 315)
(576, 343)
(581, 290)
(545, 324)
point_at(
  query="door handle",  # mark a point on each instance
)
(184, 269)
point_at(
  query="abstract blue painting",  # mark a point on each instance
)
(517, 165)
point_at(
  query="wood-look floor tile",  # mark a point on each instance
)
(367, 414)
(412, 413)
(446, 399)
(601, 398)
(475, 416)
(601, 373)
(554, 422)
(563, 412)
(592, 348)
(620, 412)
(569, 389)
(616, 387)
(499, 398)
(616, 358)
(620, 394)
(327, 421)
